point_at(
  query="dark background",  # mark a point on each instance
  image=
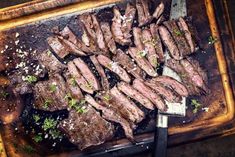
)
(215, 147)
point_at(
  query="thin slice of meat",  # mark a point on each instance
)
(150, 94)
(167, 93)
(178, 36)
(108, 37)
(185, 29)
(51, 63)
(58, 46)
(81, 81)
(99, 35)
(86, 129)
(111, 115)
(134, 94)
(158, 11)
(157, 42)
(87, 73)
(114, 67)
(73, 87)
(100, 70)
(172, 83)
(128, 21)
(50, 95)
(142, 61)
(169, 43)
(127, 103)
(144, 16)
(87, 21)
(149, 47)
(137, 33)
(127, 63)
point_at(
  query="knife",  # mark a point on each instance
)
(178, 9)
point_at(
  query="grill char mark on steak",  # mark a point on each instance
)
(48, 99)
(144, 16)
(86, 129)
(81, 81)
(142, 62)
(148, 93)
(100, 70)
(169, 42)
(114, 67)
(134, 94)
(111, 115)
(126, 62)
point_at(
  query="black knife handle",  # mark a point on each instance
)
(160, 142)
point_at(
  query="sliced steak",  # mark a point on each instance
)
(86, 129)
(100, 70)
(111, 115)
(144, 16)
(185, 29)
(50, 95)
(108, 37)
(158, 11)
(150, 94)
(51, 63)
(73, 87)
(167, 93)
(169, 43)
(87, 73)
(128, 104)
(178, 36)
(81, 81)
(142, 62)
(137, 33)
(114, 67)
(134, 94)
(157, 42)
(126, 62)
(172, 83)
(149, 47)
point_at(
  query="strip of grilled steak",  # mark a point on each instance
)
(158, 11)
(73, 87)
(127, 103)
(108, 37)
(51, 63)
(149, 47)
(171, 83)
(86, 19)
(87, 73)
(81, 81)
(137, 33)
(86, 129)
(100, 70)
(127, 63)
(50, 95)
(114, 67)
(185, 29)
(169, 42)
(165, 92)
(150, 94)
(144, 16)
(134, 94)
(142, 61)
(111, 115)
(157, 42)
(178, 36)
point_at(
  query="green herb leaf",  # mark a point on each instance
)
(107, 97)
(178, 32)
(36, 118)
(196, 105)
(30, 79)
(38, 138)
(73, 82)
(142, 53)
(89, 85)
(49, 53)
(212, 40)
(27, 149)
(55, 134)
(53, 87)
(49, 123)
(4, 94)
(47, 103)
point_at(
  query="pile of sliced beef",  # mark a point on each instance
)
(135, 65)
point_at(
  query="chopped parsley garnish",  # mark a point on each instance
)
(68, 96)
(178, 32)
(142, 53)
(36, 118)
(4, 94)
(49, 53)
(47, 103)
(107, 97)
(196, 105)
(73, 82)
(55, 134)
(38, 138)
(212, 40)
(53, 87)
(49, 123)
(25, 148)
(89, 85)
(30, 79)
(74, 104)
(155, 62)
